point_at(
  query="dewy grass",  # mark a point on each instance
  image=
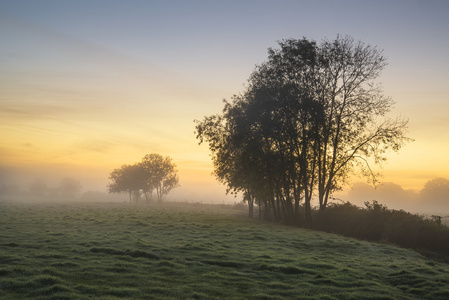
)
(179, 251)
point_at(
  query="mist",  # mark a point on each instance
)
(75, 183)
(64, 183)
(432, 199)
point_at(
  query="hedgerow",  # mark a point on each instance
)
(378, 223)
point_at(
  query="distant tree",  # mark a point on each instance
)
(128, 179)
(153, 173)
(160, 174)
(69, 187)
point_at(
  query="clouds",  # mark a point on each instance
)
(75, 100)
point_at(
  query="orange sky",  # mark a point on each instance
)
(85, 88)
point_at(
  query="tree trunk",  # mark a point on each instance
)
(308, 208)
(250, 208)
(308, 214)
(297, 199)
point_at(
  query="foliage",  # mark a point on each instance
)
(154, 173)
(311, 115)
(176, 251)
(378, 223)
(128, 179)
(160, 173)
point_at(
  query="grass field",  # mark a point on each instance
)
(108, 251)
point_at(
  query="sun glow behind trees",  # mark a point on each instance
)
(87, 87)
(310, 116)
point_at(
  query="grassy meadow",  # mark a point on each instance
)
(189, 251)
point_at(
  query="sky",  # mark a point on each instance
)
(87, 86)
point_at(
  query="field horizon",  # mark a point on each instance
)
(195, 251)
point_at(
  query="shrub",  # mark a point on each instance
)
(378, 223)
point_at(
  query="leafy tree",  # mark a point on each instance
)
(153, 173)
(160, 174)
(128, 179)
(310, 115)
(235, 154)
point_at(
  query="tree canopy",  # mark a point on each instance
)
(312, 114)
(153, 173)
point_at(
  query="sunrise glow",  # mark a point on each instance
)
(86, 87)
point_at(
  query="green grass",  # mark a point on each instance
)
(113, 251)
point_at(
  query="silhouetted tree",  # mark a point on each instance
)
(155, 172)
(354, 128)
(236, 151)
(128, 179)
(310, 115)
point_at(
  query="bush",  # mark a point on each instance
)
(377, 223)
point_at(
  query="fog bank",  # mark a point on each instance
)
(432, 199)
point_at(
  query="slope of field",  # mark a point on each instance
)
(107, 251)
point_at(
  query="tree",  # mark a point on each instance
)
(235, 154)
(160, 174)
(153, 173)
(128, 179)
(311, 115)
(354, 128)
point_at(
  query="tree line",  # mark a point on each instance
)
(311, 115)
(154, 175)
(68, 188)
